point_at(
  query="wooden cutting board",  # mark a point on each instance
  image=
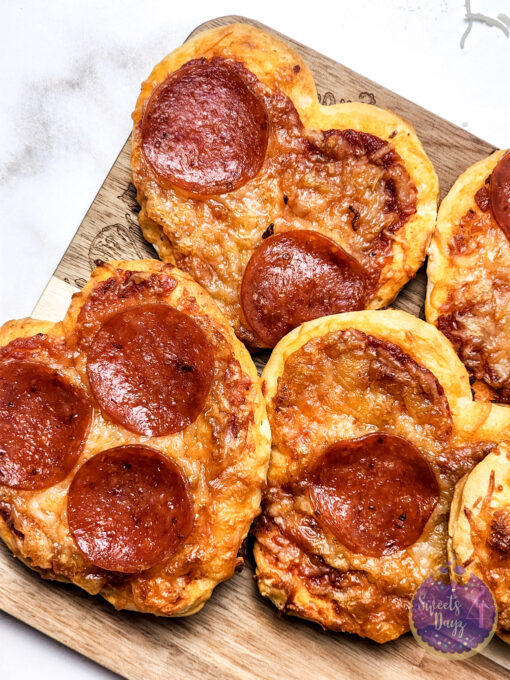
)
(238, 635)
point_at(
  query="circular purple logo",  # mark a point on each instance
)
(451, 618)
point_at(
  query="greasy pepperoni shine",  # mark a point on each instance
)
(129, 508)
(500, 193)
(205, 129)
(150, 368)
(43, 423)
(297, 276)
(375, 494)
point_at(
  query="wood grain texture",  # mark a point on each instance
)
(237, 636)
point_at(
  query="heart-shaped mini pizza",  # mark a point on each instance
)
(284, 210)
(480, 529)
(468, 295)
(372, 424)
(133, 441)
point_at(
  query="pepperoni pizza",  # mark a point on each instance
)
(133, 441)
(480, 529)
(282, 209)
(372, 425)
(468, 295)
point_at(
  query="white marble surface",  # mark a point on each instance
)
(69, 77)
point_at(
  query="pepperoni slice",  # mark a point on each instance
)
(205, 129)
(129, 508)
(150, 368)
(375, 494)
(44, 421)
(297, 276)
(500, 193)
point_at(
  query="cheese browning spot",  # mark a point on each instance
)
(499, 536)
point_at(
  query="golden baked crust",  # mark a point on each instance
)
(479, 529)
(468, 291)
(213, 239)
(340, 378)
(224, 452)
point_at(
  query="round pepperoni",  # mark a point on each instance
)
(150, 368)
(500, 193)
(205, 129)
(297, 276)
(129, 508)
(44, 421)
(375, 494)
